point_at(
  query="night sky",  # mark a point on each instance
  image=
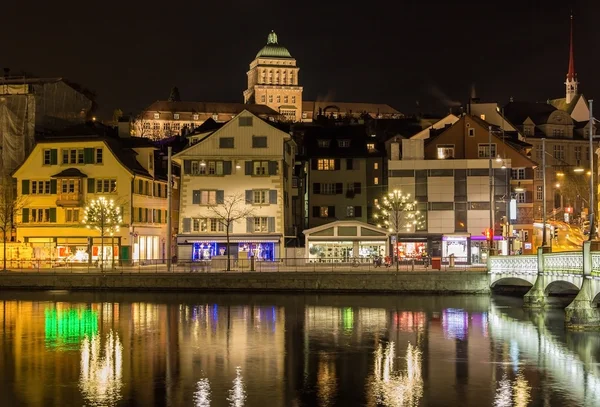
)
(131, 53)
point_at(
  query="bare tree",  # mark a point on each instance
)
(232, 209)
(142, 126)
(10, 206)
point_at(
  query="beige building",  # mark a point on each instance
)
(273, 80)
(164, 118)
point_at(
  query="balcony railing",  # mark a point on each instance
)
(69, 199)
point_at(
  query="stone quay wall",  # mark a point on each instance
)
(435, 282)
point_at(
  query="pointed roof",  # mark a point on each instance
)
(571, 73)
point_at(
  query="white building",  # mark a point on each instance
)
(246, 158)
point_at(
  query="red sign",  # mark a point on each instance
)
(568, 209)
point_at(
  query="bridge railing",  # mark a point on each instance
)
(526, 264)
(596, 264)
(563, 262)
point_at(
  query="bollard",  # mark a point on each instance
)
(252, 263)
(451, 260)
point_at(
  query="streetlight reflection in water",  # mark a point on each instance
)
(393, 388)
(100, 379)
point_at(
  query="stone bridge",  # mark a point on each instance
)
(555, 273)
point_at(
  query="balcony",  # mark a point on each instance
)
(72, 199)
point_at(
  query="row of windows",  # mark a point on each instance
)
(484, 150)
(146, 215)
(73, 156)
(150, 188)
(257, 141)
(259, 224)
(329, 211)
(94, 185)
(219, 168)
(336, 188)
(473, 172)
(177, 115)
(263, 99)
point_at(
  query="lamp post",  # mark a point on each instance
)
(592, 211)
(492, 204)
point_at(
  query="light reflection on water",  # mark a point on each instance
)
(271, 350)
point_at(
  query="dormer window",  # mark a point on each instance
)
(157, 115)
(176, 116)
(195, 117)
(323, 143)
(371, 147)
(343, 143)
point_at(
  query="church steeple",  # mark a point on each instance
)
(571, 82)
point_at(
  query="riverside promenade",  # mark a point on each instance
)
(473, 281)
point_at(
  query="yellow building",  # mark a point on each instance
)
(86, 162)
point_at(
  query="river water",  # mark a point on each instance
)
(140, 349)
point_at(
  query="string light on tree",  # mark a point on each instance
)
(398, 213)
(104, 216)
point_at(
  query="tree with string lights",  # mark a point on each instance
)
(398, 213)
(104, 216)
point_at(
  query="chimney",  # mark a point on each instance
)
(395, 149)
(124, 127)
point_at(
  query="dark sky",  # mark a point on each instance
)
(398, 52)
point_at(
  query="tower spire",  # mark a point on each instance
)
(571, 73)
(571, 81)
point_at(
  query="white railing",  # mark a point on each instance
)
(564, 262)
(596, 263)
(514, 264)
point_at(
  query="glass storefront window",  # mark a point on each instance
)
(456, 245)
(411, 249)
(203, 250)
(261, 251)
(331, 252)
(371, 249)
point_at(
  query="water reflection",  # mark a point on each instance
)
(202, 394)
(397, 388)
(237, 394)
(237, 350)
(101, 377)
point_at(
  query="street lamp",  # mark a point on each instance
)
(592, 211)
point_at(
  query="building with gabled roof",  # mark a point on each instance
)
(67, 170)
(246, 158)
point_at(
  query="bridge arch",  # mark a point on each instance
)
(512, 281)
(562, 287)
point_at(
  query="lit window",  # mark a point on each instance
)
(371, 146)
(350, 211)
(482, 117)
(445, 151)
(326, 164)
(376, 181)
(324, 211)
(484, 150)
(195, 117)
(376, 166)
(176, 116)
(157, 115)
(260, 224)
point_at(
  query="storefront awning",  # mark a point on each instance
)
(272, 239)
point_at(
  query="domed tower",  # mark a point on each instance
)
(273, 80)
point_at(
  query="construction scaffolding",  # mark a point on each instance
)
(31, 106)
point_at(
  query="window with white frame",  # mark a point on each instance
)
(72, 156)
(343, 143)
(40, 187)
(445, 151)
(72, 215)
(260, 224)
(539, 193)
(100, 155)
(521, 197)
(518, 173)
(176, 116)
(68, 186)
(486, 150)
(539, 173)
(261, 168)
(350, 211)
(106, 185)
(578, 155)
(39, 215)
(327, 188)
(208, 197)
(47, 157)
(195, 117)
(260, 196)
(157, 115)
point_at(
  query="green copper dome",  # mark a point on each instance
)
(273, 49)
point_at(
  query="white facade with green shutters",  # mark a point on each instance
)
(61, 175)
(249, 159)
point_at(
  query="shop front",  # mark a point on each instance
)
(199, 248)
(458, 246)
(72, 249)
(344, 241)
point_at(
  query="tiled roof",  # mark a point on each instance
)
(70, 173)
(561, 104)
(122, 148)
(381, 108)
(518, 112)
(210, 108)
